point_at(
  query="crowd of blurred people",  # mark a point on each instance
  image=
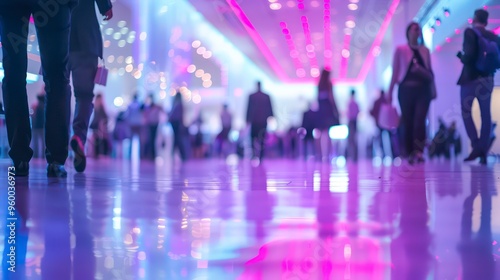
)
(141, 122)
(142, 125)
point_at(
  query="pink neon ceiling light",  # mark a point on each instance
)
(258, 40)
(277, 67)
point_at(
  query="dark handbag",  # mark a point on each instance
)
(421, 72)
(418, 70)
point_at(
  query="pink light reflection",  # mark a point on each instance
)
(327, 35)
(294, 54)
(378, 40)
(344, 62)
(317, 259)
(497, 30)
(257, 39)
(309, 45)
(277, 67)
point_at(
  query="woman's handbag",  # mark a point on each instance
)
(421, 72)
(388, 117)
(418, 69)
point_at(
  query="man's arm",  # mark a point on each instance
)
(469, 47)
(105, 8)
(270, 107)
(249, 109)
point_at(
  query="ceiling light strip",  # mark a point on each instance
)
(311, 54)
(378, 40)
(294, 53)
(258, 40)
(327, 53)
(345, 54)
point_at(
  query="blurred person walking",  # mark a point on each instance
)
(52, 22)
(86, 48)
(412, 71)
(259, 110)
(477, 84)
(328, 114)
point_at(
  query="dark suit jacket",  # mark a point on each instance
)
(469, 57)
(85, 32)
(309, 123)
(11, 3)
(259, 109)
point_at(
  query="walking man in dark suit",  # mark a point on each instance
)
(476, 84)
(85, 50)
(52, 19)
(258, 111)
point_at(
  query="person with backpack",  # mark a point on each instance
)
(481, 58)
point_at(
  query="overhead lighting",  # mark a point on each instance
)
(438, 22)
(347, 31)
(196, 44)
(300, 72)
(446, 12)
(350, 24)
(352, 7)
(314, 72)
(275, 6)
(346, 53)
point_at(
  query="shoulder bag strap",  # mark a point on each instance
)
(409, 67)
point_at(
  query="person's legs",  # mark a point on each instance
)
(385, 152)
(352, 141)
(152, 138)
(467, 97)
(258, 134)
(484, 89)
(83, 69)
(305, 144)
(253, 140)
(135, 131)
(419, 132)
(38, 142)
(407, 104)
(178, 137)
(14, 35)
(262, 142)
(53, 37)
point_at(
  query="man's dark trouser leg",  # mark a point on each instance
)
(14, 34)
(53, 36)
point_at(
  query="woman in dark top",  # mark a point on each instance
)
(327, 114)
(412, 70)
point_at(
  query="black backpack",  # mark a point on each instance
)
(488, 54)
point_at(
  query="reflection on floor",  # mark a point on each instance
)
(283, 219)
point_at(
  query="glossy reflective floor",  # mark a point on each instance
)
(284, 219)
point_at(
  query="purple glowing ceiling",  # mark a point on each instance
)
(294, 39)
